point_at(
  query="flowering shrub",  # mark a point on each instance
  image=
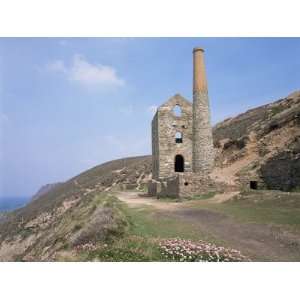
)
(85, 247)
(186, 250)
(130, 248)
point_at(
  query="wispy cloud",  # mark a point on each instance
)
(87, 74)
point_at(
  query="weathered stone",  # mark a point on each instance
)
(182, 145)
(165, 125)
(203, 150)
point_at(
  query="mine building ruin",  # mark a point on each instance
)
(182, 142)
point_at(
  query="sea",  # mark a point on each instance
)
(11, 203)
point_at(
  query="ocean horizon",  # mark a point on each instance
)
(11, 203)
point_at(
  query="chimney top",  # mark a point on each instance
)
(198, 49)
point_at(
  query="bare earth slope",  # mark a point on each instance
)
(262, 144)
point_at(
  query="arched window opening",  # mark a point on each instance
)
(179, 163)
(177, 110)
(178, 137)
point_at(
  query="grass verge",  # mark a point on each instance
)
(263, 207)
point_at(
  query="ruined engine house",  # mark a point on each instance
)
(182, 144)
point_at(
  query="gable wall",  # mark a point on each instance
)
(167, 126)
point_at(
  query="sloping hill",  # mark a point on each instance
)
(54, 219)
(262, 145)
(45, 189)
(256, 145)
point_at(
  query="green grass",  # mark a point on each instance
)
(196, 197)
(263, 215)
(147, 225)
(170, 199)
(130, 248)
(204, 196)
(146, 228)
(146, 222)
(262, 207)
(277, 109)
(143, 188)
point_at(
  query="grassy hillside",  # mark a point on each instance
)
(262, 139)
(131, 171)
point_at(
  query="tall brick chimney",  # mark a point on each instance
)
(203, 151)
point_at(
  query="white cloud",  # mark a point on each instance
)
(86, 73)
(152, 109)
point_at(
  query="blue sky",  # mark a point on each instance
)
(69, 104)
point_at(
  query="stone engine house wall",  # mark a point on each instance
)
(165, 125)
(155, 147)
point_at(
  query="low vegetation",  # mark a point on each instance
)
(196, 197)
(105, 222)
(130, 249)
(151, 238)
(264, 207)
(189, 251)
(100, 227)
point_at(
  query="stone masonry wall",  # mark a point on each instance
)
(203, 150)
(194, 184)
(168, 125)
(282, 172)
(155, 148)
(170, 187)
(184, 185)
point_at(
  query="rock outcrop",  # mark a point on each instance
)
(261, 145)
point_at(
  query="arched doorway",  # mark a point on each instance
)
(179, 163)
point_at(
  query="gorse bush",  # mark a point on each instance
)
(127, 249)
(188, 251)
(105, 222)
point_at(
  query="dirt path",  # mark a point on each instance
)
(135, 199)
(258, 241)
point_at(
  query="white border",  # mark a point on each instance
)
(145, 280)
(149, 18)
(149, 281)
